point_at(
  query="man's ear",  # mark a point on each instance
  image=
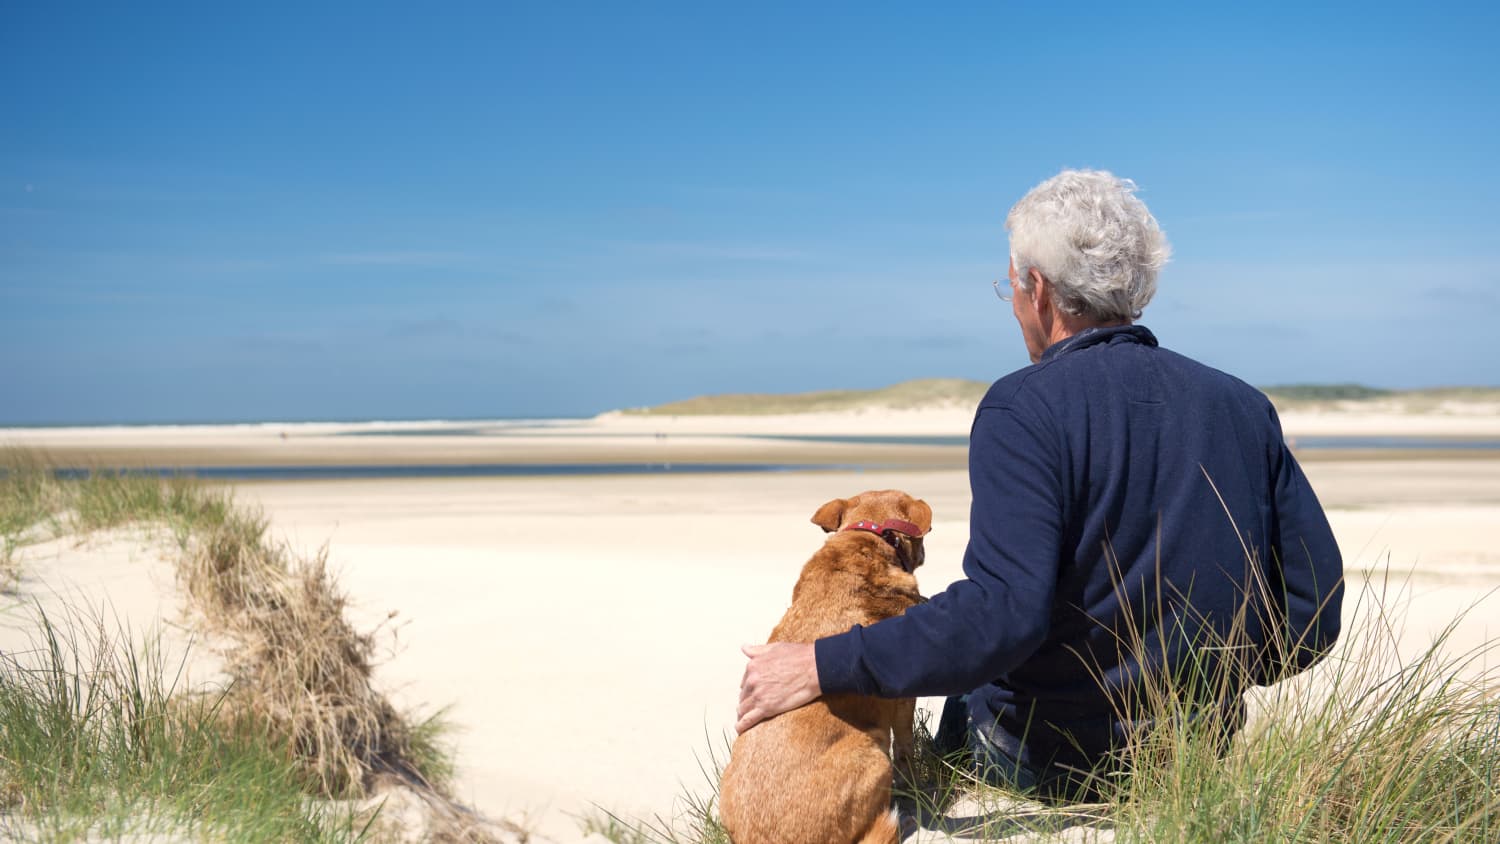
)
(1041, 289)
(830, 514)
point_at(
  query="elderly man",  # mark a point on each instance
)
(1137, 521)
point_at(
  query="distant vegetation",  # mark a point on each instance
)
(907, 395)
(1325, 392)
(1325, 395)
(959, 392)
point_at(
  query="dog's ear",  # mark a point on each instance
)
(921, 514)
(830, 514)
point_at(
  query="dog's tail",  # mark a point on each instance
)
(885, 830)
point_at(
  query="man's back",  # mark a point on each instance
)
(1172, 491)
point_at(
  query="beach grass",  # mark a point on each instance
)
(695, 819)
(1368, 745)
(96, 745)
(299, 690)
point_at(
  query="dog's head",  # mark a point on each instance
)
(897, 517)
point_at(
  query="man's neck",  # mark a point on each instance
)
(1066, 326)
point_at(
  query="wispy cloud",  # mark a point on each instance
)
(76, 261)
(439, 331)
(54, 295)
(225, 265)
(279, 345)
(742, 193)
(938, 342)
(1462, 295)
(1229, 217)
(396, 258)
(714, 251)
(21, 211)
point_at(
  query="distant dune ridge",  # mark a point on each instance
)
(934, 393)
(920, 394)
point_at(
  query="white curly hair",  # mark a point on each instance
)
(1088, 234)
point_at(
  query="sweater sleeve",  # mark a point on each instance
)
(1307, 570)
(998, 615)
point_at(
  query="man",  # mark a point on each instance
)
(1137, 523)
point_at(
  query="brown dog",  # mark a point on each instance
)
(821, 773)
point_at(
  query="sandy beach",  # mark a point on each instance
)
(584, 630)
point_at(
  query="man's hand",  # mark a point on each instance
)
(780, 677)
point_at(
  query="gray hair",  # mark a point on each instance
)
(1088, 235)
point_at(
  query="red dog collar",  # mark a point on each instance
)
(887, 531)
(896, 525)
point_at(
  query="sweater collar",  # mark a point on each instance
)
(1094, 336)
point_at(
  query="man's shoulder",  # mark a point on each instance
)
(1042, 384)
(1213, 380)
(1019, 387)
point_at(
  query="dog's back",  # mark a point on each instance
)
(821, 773)
(807, 776)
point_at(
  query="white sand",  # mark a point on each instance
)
(585, 630)
(116, 586)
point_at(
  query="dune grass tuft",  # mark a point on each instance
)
(695, 821)
(1367, 746)
(300, 685)
(299, 666)
(94, 744)
(28, 507)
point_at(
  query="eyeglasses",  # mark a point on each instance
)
(1005, 296)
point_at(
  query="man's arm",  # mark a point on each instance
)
(991, 621)
(1310, 570)
(977, 628)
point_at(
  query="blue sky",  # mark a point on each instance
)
(448, 210)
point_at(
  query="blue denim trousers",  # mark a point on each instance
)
(1003, 760)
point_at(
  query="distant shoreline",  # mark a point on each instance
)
(268, 423)
(920, 396)
(865, 440)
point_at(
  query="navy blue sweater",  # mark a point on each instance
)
(1120, 491)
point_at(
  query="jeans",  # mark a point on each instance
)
(1002, 760)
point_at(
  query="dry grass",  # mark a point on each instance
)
(1367, 746)
(298, 666)
(300, 673)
